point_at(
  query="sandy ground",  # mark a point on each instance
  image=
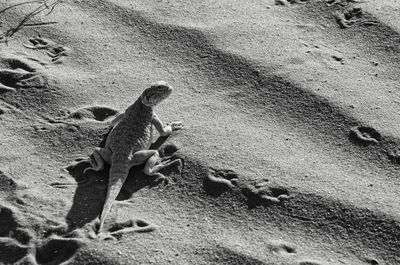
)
(291, 139)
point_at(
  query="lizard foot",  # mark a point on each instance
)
(176, 125)
(165, 181)
(100, 157)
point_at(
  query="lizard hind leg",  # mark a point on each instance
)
(152, 167)
(154, 164)
(100, 157)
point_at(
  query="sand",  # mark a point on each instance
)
(290, 144)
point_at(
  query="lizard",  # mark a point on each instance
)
(128, 143)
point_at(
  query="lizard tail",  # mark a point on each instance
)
(118, 174)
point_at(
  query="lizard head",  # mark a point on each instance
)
(156, 93)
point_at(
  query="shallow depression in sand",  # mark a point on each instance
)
(97, 113)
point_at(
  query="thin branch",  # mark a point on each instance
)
(9, 33)
(40, 24)
(52, 8)
(19, 4)
(24, 22)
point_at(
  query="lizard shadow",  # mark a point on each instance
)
(89, 197)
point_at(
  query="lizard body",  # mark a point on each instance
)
(128, 143)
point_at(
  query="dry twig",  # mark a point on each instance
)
(25, 22)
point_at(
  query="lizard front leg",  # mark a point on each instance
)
(168, 129)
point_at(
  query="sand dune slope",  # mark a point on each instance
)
(290, 145)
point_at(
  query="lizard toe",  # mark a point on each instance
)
(164, 181)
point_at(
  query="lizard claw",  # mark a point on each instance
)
(164, 181)
(176, 125)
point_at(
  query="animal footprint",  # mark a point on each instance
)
(11, 251)
(364, 135)
(287, 2)
(394, 155)
(219, 180)
(342, 2)
(92, 113)
(8, 221)
(54, 50)
(97, 113)
(310, 262)
(57, 250)
(130, 226)
(351, 17)
(348, 18)
(16, 71)
(11, 223)
(7, 183)
(371, 261)
(283, 249)
(265, 193)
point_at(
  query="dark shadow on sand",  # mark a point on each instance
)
(89, 198)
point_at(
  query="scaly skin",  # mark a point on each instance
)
(128, 143)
